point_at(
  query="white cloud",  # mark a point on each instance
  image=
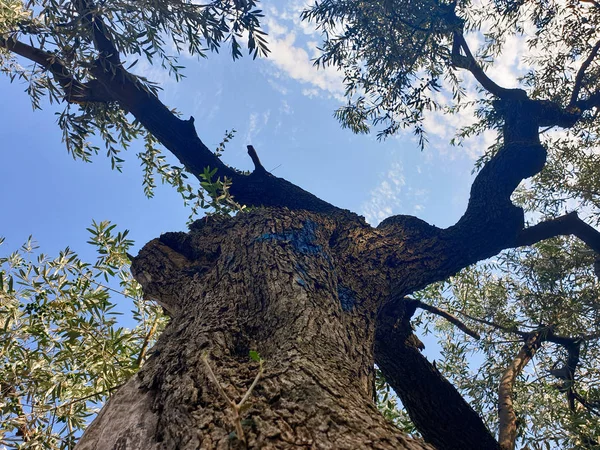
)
(385, 198)
(292, 53)
(256, 122)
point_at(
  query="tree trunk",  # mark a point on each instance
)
(287, 285)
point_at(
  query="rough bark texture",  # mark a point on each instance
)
(285, 284)
(436, 408)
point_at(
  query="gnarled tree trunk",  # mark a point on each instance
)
(289, 285)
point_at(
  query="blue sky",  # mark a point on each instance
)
(282, 105)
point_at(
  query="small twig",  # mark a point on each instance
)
(253, 385)
(81, 399)
(235, 407)
(147, 338)
(214, 378)
(108, 288)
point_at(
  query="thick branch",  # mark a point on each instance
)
(75, 91)
(569, 224)
(507, 419)
(541, 112)
(179, 136)
(100, 34)
(436, 408)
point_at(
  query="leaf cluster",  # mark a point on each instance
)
(62, 350)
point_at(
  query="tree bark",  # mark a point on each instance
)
(284, 284)
(437, 409)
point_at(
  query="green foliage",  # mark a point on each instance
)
(393, 55)
(549, 286)
(396, 55)
(210, 196)
(62, 352)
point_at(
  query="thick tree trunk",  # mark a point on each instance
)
(285, 284)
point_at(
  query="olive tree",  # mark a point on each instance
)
(279, 315)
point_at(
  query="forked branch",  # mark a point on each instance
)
(468, 62)
(235, 407)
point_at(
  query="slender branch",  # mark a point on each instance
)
(253, 385)
(507, 419)
(86, 397)
(449, 317)
(569, 224)
(581, 74)
(495, 325)
(586, 404)
(146, 342)
(213, 377)
(547, 332)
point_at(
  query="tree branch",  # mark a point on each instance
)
(255, 160)
(569, 224)
(179, 136)
(565, 373)
(75, 91)
(436, 408)
(449, 317)
(495, 325)
(468, 62)
(507, 419)
(543, 112)
(581, 74)
(100, 34)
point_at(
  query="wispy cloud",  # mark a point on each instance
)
(293, 48)
(256, 122)
(385, 198)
